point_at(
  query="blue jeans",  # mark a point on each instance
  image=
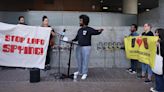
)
(82, 56)
(133, 64)
(159, 83)
(147, 68)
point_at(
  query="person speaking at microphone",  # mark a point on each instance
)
(83, 49)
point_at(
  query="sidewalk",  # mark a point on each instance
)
(99, 80)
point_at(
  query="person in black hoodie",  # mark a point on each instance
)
(83, 49)
(159, 79)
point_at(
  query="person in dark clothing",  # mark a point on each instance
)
(83, 49)
(132, 69)
(146, 67)
(21, 20)
(45, 23)
(159, 79)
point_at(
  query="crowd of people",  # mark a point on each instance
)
(83, 50)
(145, 68)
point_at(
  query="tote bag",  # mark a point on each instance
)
(158, 63)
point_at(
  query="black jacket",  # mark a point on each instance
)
(150, 33)
(84, 36)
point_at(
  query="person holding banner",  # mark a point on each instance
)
(21, 20)
(146, 67)
(159, 79)
(45, 23)
(83, 49)
(132, 69)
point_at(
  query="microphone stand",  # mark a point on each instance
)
(69, 61)
(59, 75)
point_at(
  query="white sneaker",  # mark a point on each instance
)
(84, 76)
(75, 77)
(76, 73)
(153, 90)
(129, 69)
(132, 72)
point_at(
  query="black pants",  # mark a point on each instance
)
(134, 64)
(48, 55)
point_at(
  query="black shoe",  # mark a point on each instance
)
(47, 67)
(148, 81)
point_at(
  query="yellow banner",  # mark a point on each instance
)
(142, 48)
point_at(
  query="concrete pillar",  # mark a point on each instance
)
(130, 6)
(161, 13)
(161, 3)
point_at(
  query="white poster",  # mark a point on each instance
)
(23, 46)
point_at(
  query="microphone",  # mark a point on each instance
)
(64, 30)
(63, 33)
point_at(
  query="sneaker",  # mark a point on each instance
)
(84, 76)
(129, 69)
(75, 77)
(76, 73)
(132, 72)
(153, 90)
(148, 81)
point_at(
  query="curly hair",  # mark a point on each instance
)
(85, 19)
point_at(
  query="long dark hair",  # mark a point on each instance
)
(161, 36)
(160, 32)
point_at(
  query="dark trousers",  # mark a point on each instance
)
(159, 82)
(48, 55)
(134, 64)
